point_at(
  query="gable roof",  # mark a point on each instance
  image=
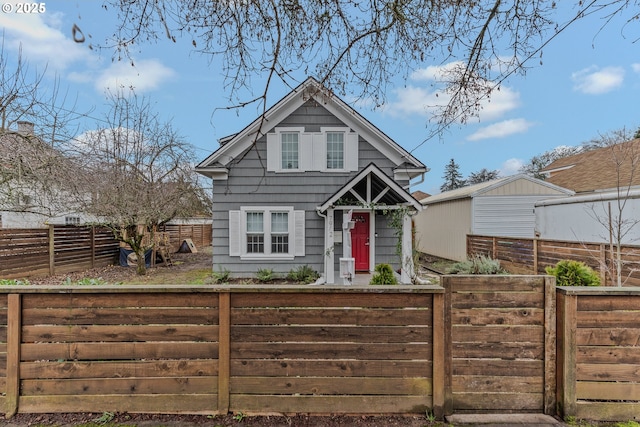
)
(234, 145)
(487, 186)
(387, 192)
(596, 170)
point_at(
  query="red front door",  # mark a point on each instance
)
(360, 240)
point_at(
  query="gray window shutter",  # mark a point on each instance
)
(298, 233)
(234, 233)
(273, 152)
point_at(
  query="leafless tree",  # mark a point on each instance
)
(624, 160)
(135, 173)
(356, 48)
(35, 120)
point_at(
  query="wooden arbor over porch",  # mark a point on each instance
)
(370, 190)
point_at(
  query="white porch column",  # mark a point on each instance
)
(329, 248)
(407, 271)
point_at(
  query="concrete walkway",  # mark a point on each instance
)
(502, 420)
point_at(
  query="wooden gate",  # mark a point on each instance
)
(500, 344)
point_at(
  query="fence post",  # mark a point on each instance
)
(93, 246)
(224, 353)
(567, 322)
(494, 250)
(52, 252)
(448, 347)
(14, 326)
(438, 374)
(550, 345)
(535, 255)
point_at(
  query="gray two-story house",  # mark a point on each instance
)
(312, 182)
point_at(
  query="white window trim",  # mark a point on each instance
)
(238, 233)
(344, 131)
(312, 150)
(277, 148)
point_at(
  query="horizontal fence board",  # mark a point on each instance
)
(492, 383)
(331, 386)
(128, 386)
(150, 403)
(498, 402)
(499, 316)
(331, 334)
(515, 368)
(498, 334)
(332, 368)
(497, 300)
(122, 300)
(618, 372)
(314, 350)
(607, 411)
(329, 316)
(119, 333)
(609, 336)
(330, 404)
(600, 390)
(117, 316)
(498, 350)
(120, 369)
(118, 351)
(330, 299)
(608, 354)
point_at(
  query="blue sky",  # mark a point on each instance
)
(588, 84)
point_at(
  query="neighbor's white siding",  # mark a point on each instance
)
(442, 228)
(511, 216)
(586, 218)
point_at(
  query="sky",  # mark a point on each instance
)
(586, 83)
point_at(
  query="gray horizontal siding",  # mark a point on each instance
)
(250, 184)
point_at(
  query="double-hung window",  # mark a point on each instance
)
(289, 150)
(266, 232)
(279, 232)
(335, 150)
(255, 232)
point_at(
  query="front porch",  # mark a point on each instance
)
(351, 224)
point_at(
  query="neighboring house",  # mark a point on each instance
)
(501, 207)
(22, 203)
(284, 186)
(607, 186)
(602, 169)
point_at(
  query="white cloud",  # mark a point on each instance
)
(595, 81)
(429, 99)
(636, 67)
(501, 129)
(41, 38)
(145, 75)
(511, 167)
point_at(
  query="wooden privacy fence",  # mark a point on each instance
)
(200, 234)
(62, 249)
(599, 353)
(477, 344)
(58, 249)
(532, 256)
(500, 344)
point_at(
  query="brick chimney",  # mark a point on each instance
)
(25, 127)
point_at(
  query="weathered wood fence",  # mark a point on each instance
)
(477, 344)
(58, 249)
(599, 353)
(200, 234)
(62, 249)
(531, 256)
